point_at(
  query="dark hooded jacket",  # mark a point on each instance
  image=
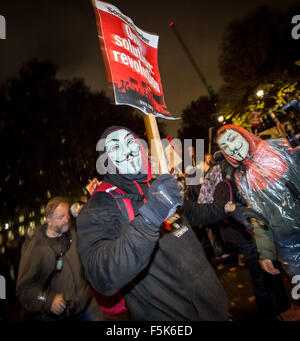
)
(165, 275)
(262, 178)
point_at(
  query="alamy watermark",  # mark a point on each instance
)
(296, 289)
(296, 29)
(2, 27)
(180, 158)
(2, 288)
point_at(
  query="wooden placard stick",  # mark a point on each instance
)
(155, 142)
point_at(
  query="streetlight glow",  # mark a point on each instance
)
(221, 118)
(260, 93)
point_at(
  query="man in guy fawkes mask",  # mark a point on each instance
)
(125, 246)
(267, 175)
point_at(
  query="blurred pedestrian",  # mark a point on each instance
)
(29, 233)
(292, 136)
(51, 284)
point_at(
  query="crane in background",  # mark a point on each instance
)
(209, 89)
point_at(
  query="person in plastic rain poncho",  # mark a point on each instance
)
(268, 175)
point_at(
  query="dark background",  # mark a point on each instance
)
(65, 33)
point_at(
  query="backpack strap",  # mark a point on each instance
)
(123, 202)
(230, 190)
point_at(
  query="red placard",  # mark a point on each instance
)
(130, 56)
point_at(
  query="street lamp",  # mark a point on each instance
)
(221, 118)
(260, 93)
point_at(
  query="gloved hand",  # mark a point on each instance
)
(164, 196)
(243, 213)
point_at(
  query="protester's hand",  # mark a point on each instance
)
(58, 304)
(267, 265)
(242, 214)
(164, 196)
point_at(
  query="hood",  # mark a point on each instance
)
(263, 165)
(146, 174)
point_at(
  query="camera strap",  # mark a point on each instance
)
(58, 262)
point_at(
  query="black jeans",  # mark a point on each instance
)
(270, 292)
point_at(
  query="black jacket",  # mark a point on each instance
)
(165, 274)
(38, 263)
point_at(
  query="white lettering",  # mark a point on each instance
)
(2, 27)
(295, 291)
(116, 55)
(124, 58)
(126, 44)
(188, 328)
(118, 40)
(136, 66)
(130, 331)
(130, 35)
(296, 29)
(2, 288)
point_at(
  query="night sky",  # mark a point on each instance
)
(65, 33)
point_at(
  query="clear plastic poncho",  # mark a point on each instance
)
(269, 179)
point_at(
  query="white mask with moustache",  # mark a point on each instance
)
(124, 151)
(234, 144)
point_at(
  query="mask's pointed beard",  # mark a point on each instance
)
(133, 166)
(239, 155)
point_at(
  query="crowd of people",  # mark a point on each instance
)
(132, 249)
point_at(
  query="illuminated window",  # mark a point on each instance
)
(32, 224)
(21, 230)
(10, 235)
